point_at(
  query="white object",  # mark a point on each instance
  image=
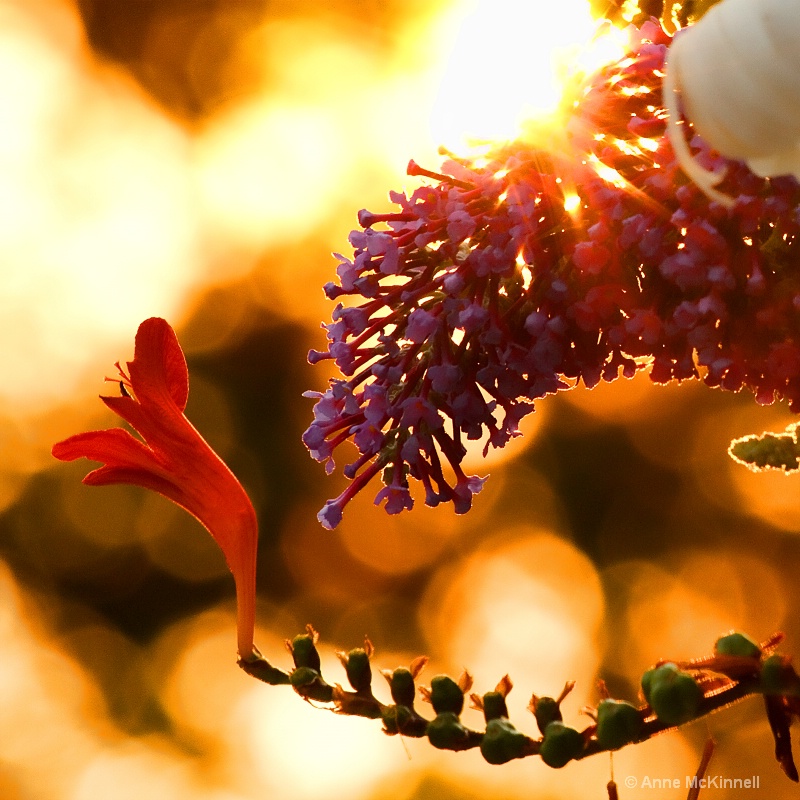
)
(737, 71)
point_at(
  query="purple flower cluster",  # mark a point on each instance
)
(513, 276)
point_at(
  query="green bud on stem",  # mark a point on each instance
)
(561, 744)
(618, 723)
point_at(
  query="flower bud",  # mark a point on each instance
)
(647, 682)
(546, 710)
(258, 667)
(304, 651)
(674, 695)
(401, 685)
(778, 676)
(618, 723)
(358, 669)
(561, 744)
(502, 742)
(446, 732)
(737, 644)
(654, 673)
(494, 706)
(308, 683)
(403, 720)
(302, 676)
(446, 695)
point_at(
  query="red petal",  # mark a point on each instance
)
(132, 412)
(104, 476)
(158, 371)
(115, 447)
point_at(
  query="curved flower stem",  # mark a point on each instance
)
(723, 679)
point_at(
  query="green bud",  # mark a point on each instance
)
(618, 723)
(446, 731)
(494, 706)
(446, 695)
(308, 683)
(656, 672)
(674, 695)
(561, 744)
(302, 676)
(502, 742)
(777, 675)
(737, 644)
(358, 669)
(304, 652)
(403, 720)
(547, 711)
(260, 668)
(401, 685)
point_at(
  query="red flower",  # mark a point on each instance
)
(174, 459)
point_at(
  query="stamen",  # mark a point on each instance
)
(415, 169)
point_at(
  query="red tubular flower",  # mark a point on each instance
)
(174, 459)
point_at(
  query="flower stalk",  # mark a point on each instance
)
(713, 682)
(506, 278)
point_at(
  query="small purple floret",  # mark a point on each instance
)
(330, 515)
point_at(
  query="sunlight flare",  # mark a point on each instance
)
(511, 62)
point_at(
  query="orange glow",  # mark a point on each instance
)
(321, 563)
(196, 657)
(510, 62)
(113, 208)
(281, 742)
(273, 165)
(620, 400)
(770, 495)
(527, 603)
(678, 614)
(96, 227)
(572, 202)
(407, 542)
(135, 766)
(263, 736)
(49, 706)
(96, 230)
(607, 173)
(476, 462)
(257, 163)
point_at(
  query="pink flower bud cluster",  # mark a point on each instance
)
(512, 276)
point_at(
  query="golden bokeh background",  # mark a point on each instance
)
(200, 160)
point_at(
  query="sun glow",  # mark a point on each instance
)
(572, 203)
(511, 62)
(607, 173)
